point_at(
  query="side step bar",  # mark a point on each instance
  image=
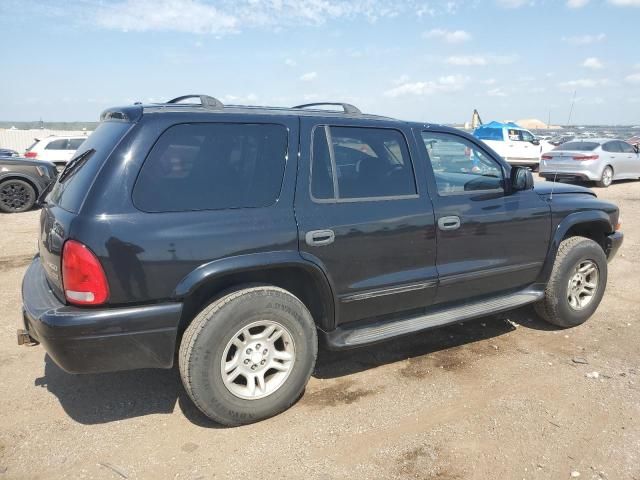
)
(364, 334)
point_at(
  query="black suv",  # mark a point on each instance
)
(232, 237)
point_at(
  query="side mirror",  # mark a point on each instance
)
(535, 141)
(521, 179)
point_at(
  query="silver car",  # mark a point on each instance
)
(601, 160)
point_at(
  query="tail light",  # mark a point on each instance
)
(30, 154)
(547, 157)
(83, 278)
(583, 158)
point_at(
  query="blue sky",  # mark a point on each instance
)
(417, 60)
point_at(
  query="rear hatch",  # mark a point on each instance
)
(64, 202)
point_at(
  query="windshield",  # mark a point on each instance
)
(579, 146)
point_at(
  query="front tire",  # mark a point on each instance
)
(248, 355)
(576, 285)
(607, 177)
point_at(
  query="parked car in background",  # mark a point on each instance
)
(7, 152)
(22, 181)
(55, 149)
(560, 139)
(515, 144)
(229, 238)
(601, 160)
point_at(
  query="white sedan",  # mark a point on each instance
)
(601, 160)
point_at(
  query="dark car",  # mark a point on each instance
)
(7, 152)
(22, 181)
(233, 237)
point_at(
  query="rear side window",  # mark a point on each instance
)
(213, 166)
(353, 163)
(579, 146)
(74, 182)
(57, 145)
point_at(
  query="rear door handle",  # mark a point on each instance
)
(318, 238)
(449, 223)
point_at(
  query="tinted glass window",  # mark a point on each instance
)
(57, 145)
(459, 165)
(371, 162)
(321, 172)
(579, 146)
(210, 166)
(612, 147)
(70, 193)
(626, 148)
(75, 143)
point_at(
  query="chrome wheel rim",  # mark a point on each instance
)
(583, 284)
(258, 360)
(607, 176)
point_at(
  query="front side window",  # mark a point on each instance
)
(75, 143)
(363, 163)
(626, 148)
(212, 166)
(57, 145)
(460, 166)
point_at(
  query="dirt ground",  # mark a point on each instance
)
(497, 398)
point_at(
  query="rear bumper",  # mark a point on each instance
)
(584, 174)
(88, 340)
(613, 243)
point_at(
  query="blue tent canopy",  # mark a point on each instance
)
(493, 130)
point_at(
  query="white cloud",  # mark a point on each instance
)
(450, 83)
(290, 62)
(178, 15)
(489, 81)
(497, 92)
(239, 99)
(585, 83)
(404, 78)
(633, 78)
(449, 36)
(309, 76)
(480, 60)
(625, 3)
(593, 63)
(585, 39)
(512, 3)
(231, 16)
(576, 3)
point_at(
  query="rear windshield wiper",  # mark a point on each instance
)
(75, 163)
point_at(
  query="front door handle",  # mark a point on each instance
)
(318, 238)
(449, 223)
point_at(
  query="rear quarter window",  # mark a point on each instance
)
(71, 188)
(213, 166)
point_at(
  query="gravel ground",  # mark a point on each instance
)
(503, 397)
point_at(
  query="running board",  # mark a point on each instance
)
(347, 337)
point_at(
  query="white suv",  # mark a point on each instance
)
(55, 149)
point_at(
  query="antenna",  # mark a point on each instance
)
(573, 101)
(555, 176)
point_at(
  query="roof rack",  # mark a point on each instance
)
(205, 100)
(347, 107)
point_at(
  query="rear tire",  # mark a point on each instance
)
(16, 196)
(230, 364)
(577, 283)
(607, 177)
